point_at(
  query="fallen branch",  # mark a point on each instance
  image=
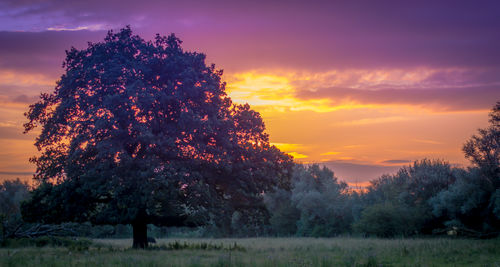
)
(41, 230)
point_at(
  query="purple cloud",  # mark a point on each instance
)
(296, 34)
(40, 52)
(240, 36)
(357, 172)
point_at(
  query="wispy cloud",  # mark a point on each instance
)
(17, 78)
(297, 155)
(423, 88)
(92, 27)
(353, 146)
(330, 153)
(426, 141)
(354, 172)
(291, 149)
(368, 121)
(396, 161)
(16, 173)
(287, 146)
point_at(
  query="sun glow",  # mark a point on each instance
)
(327, 127)
(278, 92)
(286, 91)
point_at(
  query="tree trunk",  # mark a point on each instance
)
(140, 230)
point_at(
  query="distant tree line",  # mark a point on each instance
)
(424, 198)
(428, 197)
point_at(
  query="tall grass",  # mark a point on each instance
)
(273, 252)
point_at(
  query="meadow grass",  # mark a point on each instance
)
(273, 252)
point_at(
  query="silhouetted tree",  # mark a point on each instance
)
(473, 201)
(483, 149)
(142, 132)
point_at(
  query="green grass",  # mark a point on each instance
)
(273, 252)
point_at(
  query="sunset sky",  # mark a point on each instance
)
(364, 87)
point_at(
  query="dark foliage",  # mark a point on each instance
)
(387, 220)
(12, 193)
(473, 201)
(317, 204)
(176, 245)
(140, 132)
(424, 198)
(74, 244)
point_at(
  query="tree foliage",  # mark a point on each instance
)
(464, 202)
(387, 220)
(317, 204)
(12, 193)
(143, 132)
(407, 192)
(473, 201)
(483, 148)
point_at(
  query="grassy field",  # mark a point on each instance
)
(266, 252)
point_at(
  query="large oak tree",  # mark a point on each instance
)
(143, 132)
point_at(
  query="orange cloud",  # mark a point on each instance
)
(291, 149)
(24, 79)
(277, 92)
(296, 155)
(432, 142)
(446, 89)
(330, 153)
(354, 128)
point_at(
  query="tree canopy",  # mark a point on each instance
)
(483, 149)
(143, 132)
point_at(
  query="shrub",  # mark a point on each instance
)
(386, 220)
(77, 244)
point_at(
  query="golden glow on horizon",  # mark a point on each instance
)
(277, 92)
(296, 155)
(291, 149)
(343, 129)
(312, 130)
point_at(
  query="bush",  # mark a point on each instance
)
(197, 246)
(317, 204)
(387, 220)
(12, 193)
(77, 244)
